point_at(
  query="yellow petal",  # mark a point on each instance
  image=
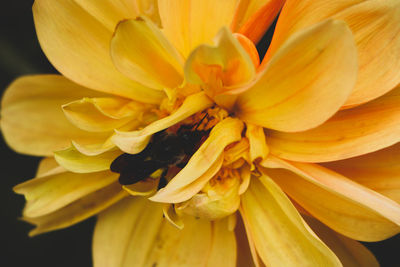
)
(174, 218)
(349, 133)
(102, 114)
(258, 145)
(220, 69)
(345, 206)
(141, 52)
(243, 252)
(350, 252)
(78, 210)
(379, 171)
(188, 24)
(49, 193)
(134, 233)
(48, 166)
(32, 120)
(142, 188)
(74, 161)
(253, 17)
(306, 81)
(78, 44)
(203, 165)
(136, 141)
(280, 235)
(375, 25)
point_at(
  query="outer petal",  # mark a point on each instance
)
(280, 235)
(379, 171)
(134, 233)
(32, 120)
(345, 206)
(47, 194)
(74, 161)
(306, 81)
(188, 27)
(78, 210)
(103, 114)
(141, 52)
(350, 252)
(349, 133)
(253, 17)
(375, 25)
(203, 164)
(77, 44)
(136, 141)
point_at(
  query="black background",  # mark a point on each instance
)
(20, 54)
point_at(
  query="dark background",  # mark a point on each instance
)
(20, 54)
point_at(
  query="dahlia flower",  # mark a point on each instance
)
(297, 155)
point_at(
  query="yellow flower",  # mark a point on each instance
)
(312, 130)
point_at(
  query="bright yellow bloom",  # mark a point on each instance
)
(312, 130)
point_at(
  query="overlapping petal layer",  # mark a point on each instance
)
(306, 81)
(347, 134)
(78, 45)
(187, 28)
(134, 232)
(345, 206)
(375, 25)
(141, 52)
(379, 171)
(32, 119)
(280, 235)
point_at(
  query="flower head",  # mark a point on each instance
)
(192, 152)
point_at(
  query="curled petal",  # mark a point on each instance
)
(32, 120)
(74, 161)
(345, 206)
(258, 145)
(280, 235)
(136, 141)
(141, 52)
(203, 165)
(306, 82)
(349, 133)
(146, 239)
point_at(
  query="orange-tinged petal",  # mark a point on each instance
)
(375, 25)
(253, 17)
(136, 141)
(74, 161)
(187, 27)
(134, 233)
(77, 44)
(49, 193)
(78, 210)
(349, 133)
(350, 252)
(102, 114)
(306, 81)
(280, 235)
(203, 165)
(379, 171)
(345, 206)
(221, 68)
(32, 120)
(141, 52)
